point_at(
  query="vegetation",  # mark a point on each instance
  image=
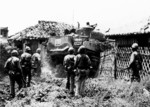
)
(103, 91)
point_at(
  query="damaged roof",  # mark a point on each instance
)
(44, 29)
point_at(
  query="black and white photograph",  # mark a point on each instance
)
(74, 53)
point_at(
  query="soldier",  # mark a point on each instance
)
(83, 65)
(13, 68)
(135, 63)
(36, 62)
(25, 62)
(69, 67)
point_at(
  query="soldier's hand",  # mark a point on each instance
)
(91, 67)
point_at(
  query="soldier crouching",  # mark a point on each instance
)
(69, 67)
(13, 68)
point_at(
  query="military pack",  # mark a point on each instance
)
(138, 61)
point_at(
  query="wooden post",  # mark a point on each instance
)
(115, 67)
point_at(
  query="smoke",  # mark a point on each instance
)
(46, 68)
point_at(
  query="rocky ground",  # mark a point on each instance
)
(103, 91)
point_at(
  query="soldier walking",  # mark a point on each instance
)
(135, 63)
(13, 68)
(36, 62)
(83, 65)
(25, 62)
(69, 67)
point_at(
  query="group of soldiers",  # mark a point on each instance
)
(19, 68)
(77, 66)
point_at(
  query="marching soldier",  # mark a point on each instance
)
(135, 63)
(36, 62)
(25, 62)
(83, 65)
(13, 68)
(69, 67)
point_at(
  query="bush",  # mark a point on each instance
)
(4, 55)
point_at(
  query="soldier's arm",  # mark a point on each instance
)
(65, 61)
(76, 58)
(6, 69)
(30, 60)
(141, 59)
(19, 66)
(132, 57)
(89, 62)
(39, 60)
(21, 59)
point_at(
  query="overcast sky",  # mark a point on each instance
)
(20, 14)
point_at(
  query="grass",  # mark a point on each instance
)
(104, 91)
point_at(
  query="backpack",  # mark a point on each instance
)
(138, 62)
(83, 61)
(12, 67)
(26, 61)
(70, 64)
(35, 62)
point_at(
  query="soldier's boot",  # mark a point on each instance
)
(28, 83)
(137, 78)
(82, 88)
(68, 85)
(24, 83)
(29, 79)
(72, 86)
(78, 89)
(68, 82)
(39, 71)
(24, 79)
(19, 82)
(12, 88)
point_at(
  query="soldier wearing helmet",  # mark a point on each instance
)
(135, 63)
(36, 62)
(83, 65)
(69, 67)
(25, 62)
(13, 68)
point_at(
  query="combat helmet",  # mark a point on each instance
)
(71, 50)
(134, 45)
(81, 49)
(38, 50)
(27, 49)
(14, 53)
